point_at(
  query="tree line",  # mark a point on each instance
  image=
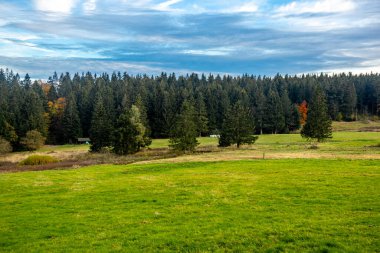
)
(101, 106)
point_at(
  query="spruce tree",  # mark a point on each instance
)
(184, 134)
(101, 127)
(201, 115)
(318, 123)
(130, 132)
(70, 121)
(274, 119)
(238, 127)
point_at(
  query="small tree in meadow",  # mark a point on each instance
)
(130, 133)
(318, 123)
(184, 134)
(238, 127)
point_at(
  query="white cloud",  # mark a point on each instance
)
(221, 51)
(166, 6)
(57, 6)
(89, 6)
(322, 6)
(246, 7)
(18, 36)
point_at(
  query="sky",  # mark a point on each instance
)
(260, 37)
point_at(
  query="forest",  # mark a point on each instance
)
(67, 107)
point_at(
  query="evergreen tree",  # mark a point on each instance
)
(32, 114)
(273, 120)
(130, 132)
(348, 107)
(52, 93)
(201, 115)
(184, 134)
(287, 111)
(318, 124)
(101, 128)
(70, 121)
(295, 123)
(238, 127)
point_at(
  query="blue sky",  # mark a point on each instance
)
(261, 37)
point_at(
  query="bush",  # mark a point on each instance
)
(5, 146)
(38, 160)
(33, 140)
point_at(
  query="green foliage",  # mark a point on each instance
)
(294, 123)
(33, 140)
(238, 127)
(130, 132)
(5, 146)
(101, 128)
(8, 131)
(70, 121)
(25, 106)
(318, 124)
(184, 133)
(201, 116)
(38, 160)
(32, 114)
(273, 118)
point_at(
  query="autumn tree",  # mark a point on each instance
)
(302, 108)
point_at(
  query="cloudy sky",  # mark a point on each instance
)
(212, 36)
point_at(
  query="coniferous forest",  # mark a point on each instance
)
(83, 105)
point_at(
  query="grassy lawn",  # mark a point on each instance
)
(293, 205)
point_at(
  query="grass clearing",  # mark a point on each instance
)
(261, 205)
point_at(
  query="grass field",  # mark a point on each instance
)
(263, 205)
(215, 200)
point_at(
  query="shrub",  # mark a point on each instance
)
(38, 160)
(5, 146)
(33, 140)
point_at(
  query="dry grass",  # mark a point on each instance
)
(247, 154)
(357, 126)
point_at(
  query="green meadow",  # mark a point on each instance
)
(285, 205)
(216, 200)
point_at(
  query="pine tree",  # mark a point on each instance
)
(70, 121)
(184, 134)
(318, 124)
(101, 128)
(238, 127)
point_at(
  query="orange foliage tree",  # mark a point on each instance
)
(302, 108)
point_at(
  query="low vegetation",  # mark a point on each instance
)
(38, 160)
